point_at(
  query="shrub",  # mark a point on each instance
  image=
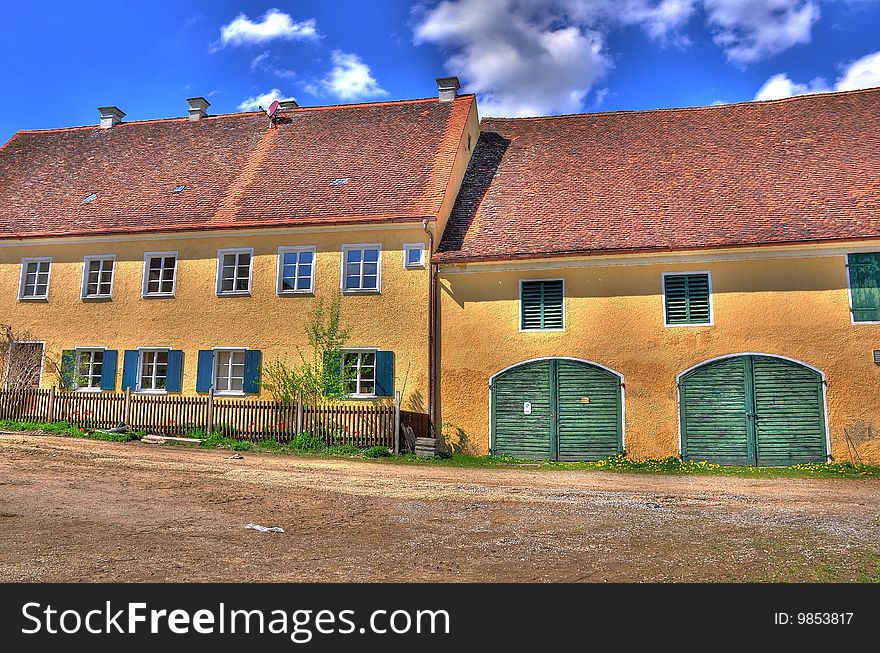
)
(376, 452)
(305, 441)
(343, 450)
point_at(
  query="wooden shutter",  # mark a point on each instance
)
(174, 379)
(68, 362)
(541, 305)
(205, 372)
(687, 298)
(130, 369)
(589, 412)
(108, 370)
(252, 370)
(864, 284)
(384, 373)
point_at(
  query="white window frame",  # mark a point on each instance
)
(407, 248)
(361, 291)
(519, 306)
(85, 279)
(676, 325)
(23, 277)
(280, 275)
(89, 350)
(140, 368)
(227, 393)
(234, 250)
(145, 286)
(42, 344)
(362, 350)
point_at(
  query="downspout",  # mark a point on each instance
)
(432, 330)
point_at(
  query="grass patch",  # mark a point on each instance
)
(65, 429)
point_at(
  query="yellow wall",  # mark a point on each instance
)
(794, 307)
(197, 319)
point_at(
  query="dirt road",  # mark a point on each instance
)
(81, 510)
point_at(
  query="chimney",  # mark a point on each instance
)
(198, 108)
(110, 116)
(447, 88)
(287, 105)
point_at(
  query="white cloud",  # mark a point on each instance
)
(264, 100)
(350, 78)
(861, 73)
(274, 25)
(259, 60)
(751, 30)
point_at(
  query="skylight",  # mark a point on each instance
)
(89, 198)
(340, 181)
(179, 189)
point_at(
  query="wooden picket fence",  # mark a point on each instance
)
(362, 425)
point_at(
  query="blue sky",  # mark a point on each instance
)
(61, 60)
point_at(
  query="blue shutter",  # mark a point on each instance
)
(384, 373)
(175, 371)
(252, 362)
(68, 361)
(108, 370)
(205, 374)
(130, 369)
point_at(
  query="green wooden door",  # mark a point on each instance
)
(589, 425)
(556, 409)
(752, 410)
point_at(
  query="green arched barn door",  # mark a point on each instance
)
(753, 410)
(558, 409)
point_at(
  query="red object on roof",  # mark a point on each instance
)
(798, 170)
(238, 174)
(273, 109)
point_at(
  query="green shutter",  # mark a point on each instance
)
(864, 284)
(541, 305)
(687, 298)
(589, 408)
(524, 431)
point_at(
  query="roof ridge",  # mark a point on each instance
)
(710, 107)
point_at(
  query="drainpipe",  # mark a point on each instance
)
(432, 329)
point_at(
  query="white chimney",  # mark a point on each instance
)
(287, 105)
(110, 116)
(198, 108)
(447, 88)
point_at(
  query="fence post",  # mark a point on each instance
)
(209, 427)
(397, 422)
(126, 409)
(299, 412)
(50, 408)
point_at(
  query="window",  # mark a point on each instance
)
(686, 299)
(359, 373)
(35, 278)
(361, 268)
(89, 368)
(160, 274)
(296, 270)
(234, 271)
(98, 277)
(24, 365)
(229, 370)
(541, 305)
(153, 370)
(413, 255)
(864, 286)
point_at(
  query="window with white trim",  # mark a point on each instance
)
(296, 270)
(414, 255)
(35, 278)
(359, 373)
(229, 370)
(160, 272)
(234, 271)
(98, 277)
(89, 367)
(153, 370)
(24, 365)
(361, 268)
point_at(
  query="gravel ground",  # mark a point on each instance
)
(82, 510)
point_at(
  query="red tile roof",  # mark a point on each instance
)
(238, 172)
(788, 171)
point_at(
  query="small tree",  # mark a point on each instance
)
(319, 376)
(22, 359)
